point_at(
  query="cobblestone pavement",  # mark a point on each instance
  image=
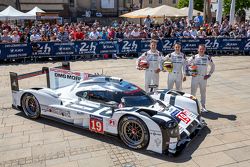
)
(39, 143)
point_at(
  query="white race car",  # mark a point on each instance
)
(163, 121)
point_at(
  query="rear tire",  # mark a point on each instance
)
(31, 106)
(133, 132)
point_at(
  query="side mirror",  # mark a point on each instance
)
(113, 105)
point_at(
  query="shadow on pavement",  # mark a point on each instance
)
(214, 116)
(184, 156)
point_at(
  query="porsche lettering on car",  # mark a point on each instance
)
(162, 122)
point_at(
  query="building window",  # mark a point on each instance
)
(160, 1)
(150, 1)
(72, 3)
(128, 1)
(174, 1)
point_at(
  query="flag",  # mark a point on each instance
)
(219, 11)
(232, 12)
(190, 9)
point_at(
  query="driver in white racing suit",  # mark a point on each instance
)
(176, 76)
(154, 59)
(201, 60)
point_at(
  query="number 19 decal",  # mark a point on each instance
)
(96, 124)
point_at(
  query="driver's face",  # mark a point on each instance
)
(153, 45)
(177, 48)
(201, 50)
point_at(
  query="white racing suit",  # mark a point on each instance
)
(179, 64)
(154, 60)
(202, 63)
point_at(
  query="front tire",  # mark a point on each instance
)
(133, 132)
(31, 106)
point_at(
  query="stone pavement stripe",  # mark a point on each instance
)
(15, 154)
(215, 159)
(4, 148)
(239, 154)
(66, 164)
(104, 161)
(232, 137)
(53, 162)
(238, 164)
(14, 140)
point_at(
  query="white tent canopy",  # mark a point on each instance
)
(164, 10)
(11, 13)
(137, 13)
(35, 10)
(195, 12)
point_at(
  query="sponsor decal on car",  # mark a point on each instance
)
(155, 133)
(96, 124)
(157, 142)
(112, 122)
(57, 111)
(180, 115)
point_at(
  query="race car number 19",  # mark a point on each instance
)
(96, 124)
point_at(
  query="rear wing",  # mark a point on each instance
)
(14, 77)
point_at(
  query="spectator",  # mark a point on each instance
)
(93, 35)
(78, 35)
(62, 36)
(5, 38)
(111, 33)
(135, 33)
(201, 33)
(186, 33)
(35, 37)
(15, 37)
(193, 33)
(148, 22)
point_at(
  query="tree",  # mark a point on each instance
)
(198, 4)
(240, 5)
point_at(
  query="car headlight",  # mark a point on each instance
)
(171, 124)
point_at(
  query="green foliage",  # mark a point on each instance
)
(198, 4)
(239, 5)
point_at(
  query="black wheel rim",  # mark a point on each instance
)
(133, 133)
(31, 106)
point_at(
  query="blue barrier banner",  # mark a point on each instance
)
(190, 44)
(17, 50)
(129, 46)
(107, 47)
(43, 49)
(2, 53)
(246, 44)
(145, 45)
(212, 44)
(64, 48)
(231, 44)
(86, 47)
(167, 45)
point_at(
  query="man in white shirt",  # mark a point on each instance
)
(179, 62)
(201, 60)
(154, 59)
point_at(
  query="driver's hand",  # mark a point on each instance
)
(157, 71)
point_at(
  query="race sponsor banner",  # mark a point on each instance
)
(168, 44)
(16, 50)
(190, 44)
(145, 45)
(129, 46)
(43, 49)
(2, 53)
(246, 44)
(86, 47)
(212, 44)
(63, 48)
(107, 47)
(60, 78)
(231, 44)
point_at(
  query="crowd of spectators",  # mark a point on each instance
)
(149, 28)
